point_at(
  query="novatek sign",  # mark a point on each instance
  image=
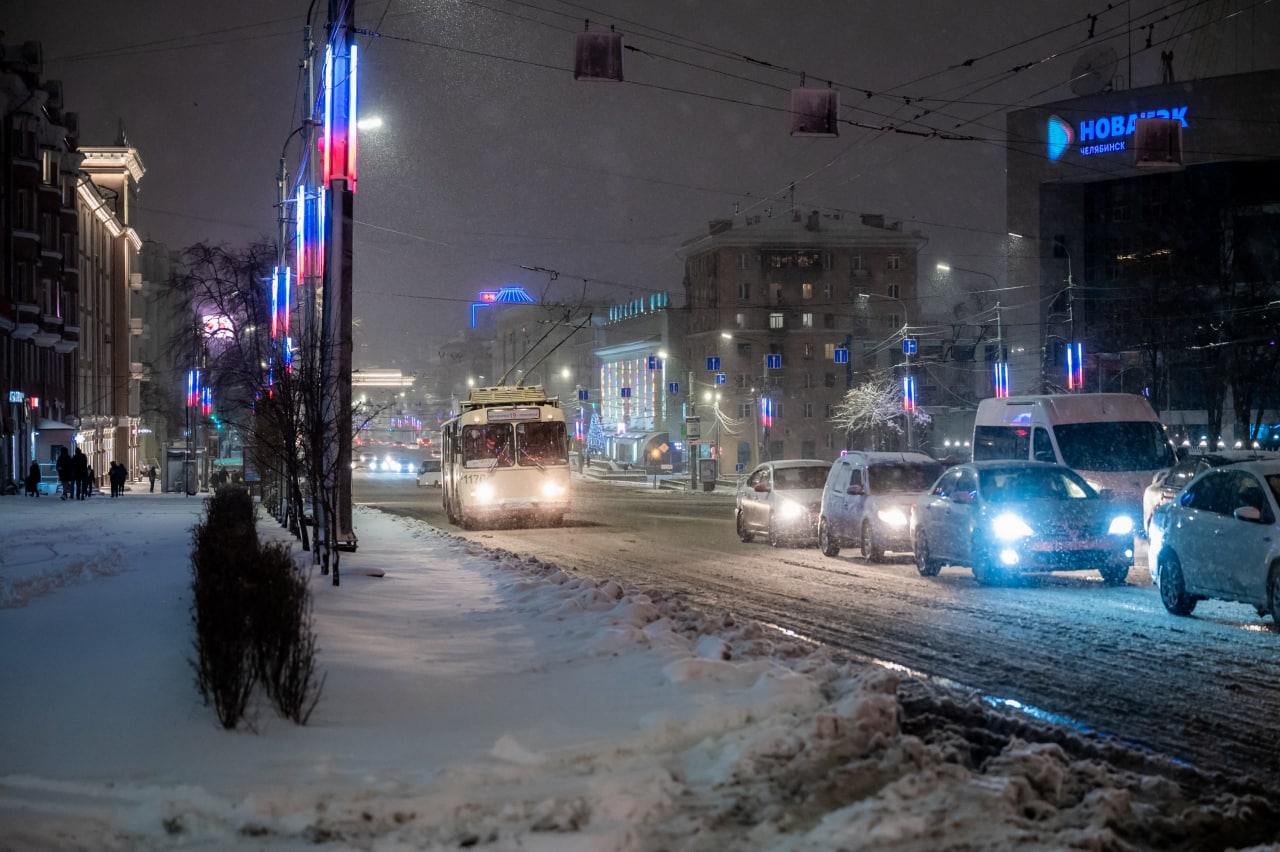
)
(1103, 134)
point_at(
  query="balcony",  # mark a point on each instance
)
(135, 282)
(135, 326)
(139, 372)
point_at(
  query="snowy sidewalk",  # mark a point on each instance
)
(475, 700)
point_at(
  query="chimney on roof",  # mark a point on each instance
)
(719, 226)
(873, 220)
(814, 222)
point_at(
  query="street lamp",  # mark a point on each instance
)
(908, 380)
(1000, 370)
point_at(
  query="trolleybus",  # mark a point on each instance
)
(505, 458)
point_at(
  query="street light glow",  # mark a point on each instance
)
(372, 122)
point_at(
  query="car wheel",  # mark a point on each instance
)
(743, 532)
(985, 571)
(1173, 588)
(825, 541)
(1114, 575)
(1273, 596)
(925, 563)
(870, 548)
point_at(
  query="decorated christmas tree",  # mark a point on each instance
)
(595, 436)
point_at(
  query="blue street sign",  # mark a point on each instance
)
(842, 356)
(713, 363)
(908, 346)
(721, 378)
(653, 362)
(582, 393)
(673, 387)
(626, 393)
(773, 362)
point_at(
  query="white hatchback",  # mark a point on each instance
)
(780, 500)
(1218, 538)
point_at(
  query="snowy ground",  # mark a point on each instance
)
(473, 700)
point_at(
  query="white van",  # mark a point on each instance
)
(1114, 440)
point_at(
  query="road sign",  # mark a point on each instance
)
(713, 363)
(722, 378)
(773, 362)
(842, 356)
(653, 362)
(673, 388)
(626, 393)
(908, 346)
(582, 394)
(693, 428)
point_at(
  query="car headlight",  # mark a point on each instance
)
(789, 510)
(483, 492)
(1008, 527)
(892, 517)
(552, 489)
(1121, 525)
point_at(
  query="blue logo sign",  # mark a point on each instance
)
(773, 362)
(582, 393)
(1103, 134)
(673, 387)
(908, 346)
(713, 363)
(721, 378)
(842, 355)
(1060, 136)
(626, 393)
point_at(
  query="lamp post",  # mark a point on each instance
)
(761, 422)
(1000, 374)
(908, 380)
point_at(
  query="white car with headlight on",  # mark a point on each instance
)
(1218, 538)
(780, 500)
(1008, 518)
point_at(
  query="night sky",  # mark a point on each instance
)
(493, 158)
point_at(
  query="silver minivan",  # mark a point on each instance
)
(867, 500)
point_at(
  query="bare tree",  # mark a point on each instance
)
(872, 410)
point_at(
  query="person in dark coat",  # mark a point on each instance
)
(117, 477)
(89, 482)
(79, 472)
(151, 475)
(67, 474)
(33, 480)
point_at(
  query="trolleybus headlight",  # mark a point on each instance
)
(552, 489)
(483, 492)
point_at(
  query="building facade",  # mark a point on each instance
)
(1151, 249)
(40, 287)
(786, 313)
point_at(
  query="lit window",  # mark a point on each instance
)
(775, 320)
(806, 290)
(806, 320)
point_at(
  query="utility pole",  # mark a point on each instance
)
(340, 115)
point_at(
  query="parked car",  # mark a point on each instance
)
(1217, 539)
(867, 500)
(780, 500)
(1006, 518)
(429, 473)
(1166, 483)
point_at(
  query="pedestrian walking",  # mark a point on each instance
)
(151, 475)
(66, 474)
(117, 477)
(79, 473)
(89, 482)
(33, 479)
